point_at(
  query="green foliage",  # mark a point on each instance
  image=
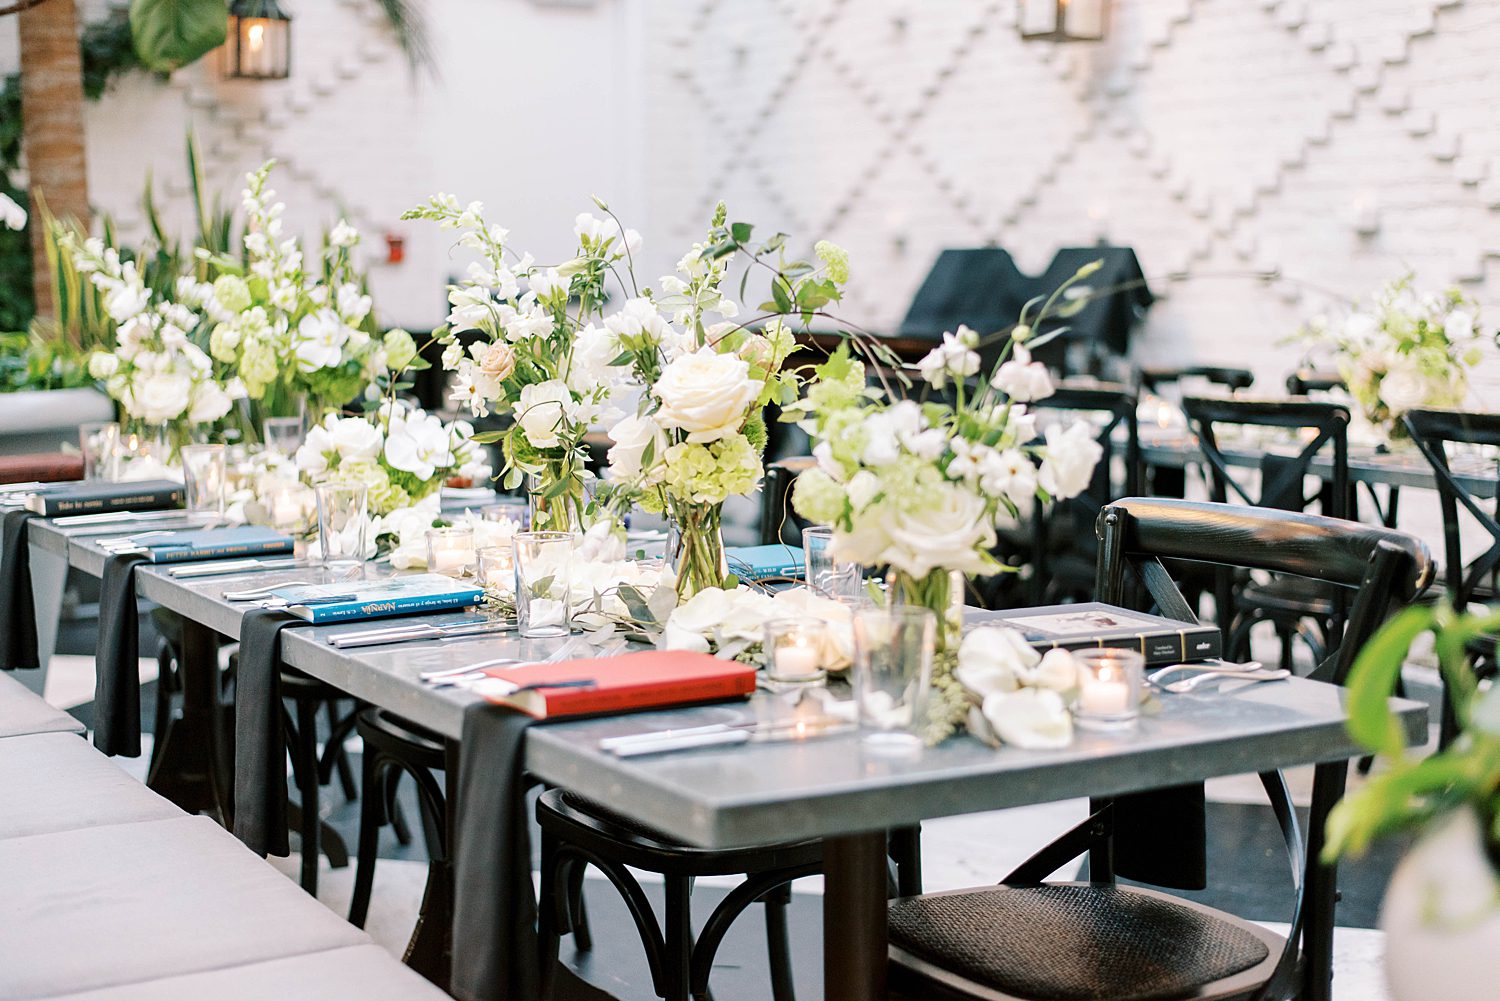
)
(108, 49)
(1409, 794)
(28, 361)
(172, 33)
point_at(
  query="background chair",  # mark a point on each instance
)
(1026, 939)
(1297, 607)
(1478, 580)
(1171, 481)
(778, 522)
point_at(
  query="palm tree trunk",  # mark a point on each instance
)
(52, 127)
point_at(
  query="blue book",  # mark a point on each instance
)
(765, 562)
(350, 601)
(216, 543)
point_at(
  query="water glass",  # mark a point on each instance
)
(893, 650)
(515, 512)
(343, 523)
(497, 567)
(100, 443)
(283, 435)
(825, 575)
(204, 474)
(796, 651)
(542, 581)
(1109, 688)
(450, 551)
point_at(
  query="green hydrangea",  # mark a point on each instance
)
(818, 497)
(400, 349)
(710, 474)
(232, 292)
(257, 367)
(834, 258)
(224, 343)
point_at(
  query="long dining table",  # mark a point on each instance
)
(835, 788)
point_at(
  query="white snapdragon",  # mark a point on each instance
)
(1069, 460)
(954, 358)
(1022, 379)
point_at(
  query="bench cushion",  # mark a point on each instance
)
(358, 973)
(22, 711)
(54, 782)
(102, 906)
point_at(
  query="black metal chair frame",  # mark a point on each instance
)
(1382, 566)
(1330, 421)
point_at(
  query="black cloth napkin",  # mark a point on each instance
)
(260, 806)
(1161, 837)
(17, 610)
(117, 668)
(494, 911)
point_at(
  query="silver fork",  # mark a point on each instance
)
(1188, 684)
(262, 592)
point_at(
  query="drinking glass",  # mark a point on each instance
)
(542, 582)
(100, 443)
(283, 435)
(825, 575)
(204, 475)
(796, 650)
(516, 512)
(343, 523)
(1109, 688)
(450, 551)
(893, 650)
(497, 567)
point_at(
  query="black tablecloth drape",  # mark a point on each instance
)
(260, 805)
(17, 609)
(117, 668)
(494, 915)
(1161, 837)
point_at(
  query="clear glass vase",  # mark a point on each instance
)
(695, 548)
(557, 498)
(942, 591)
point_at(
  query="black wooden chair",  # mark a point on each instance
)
(1027, 940)
(778, 522)
(1170, 480)
(1304, 382)
(1297, 607)
(1478, 580)
(311, 771)
(1063, 552)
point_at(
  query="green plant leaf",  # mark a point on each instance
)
(740, 231)
(1372, 681)
(172, 33)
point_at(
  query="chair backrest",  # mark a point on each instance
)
(1119, 403)
(1281, 476)
(1303, 382)
(1432, 430)
(776, 495)
(1153, 378)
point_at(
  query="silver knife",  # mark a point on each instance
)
(116, 517)
(417, 631)
(214, 568)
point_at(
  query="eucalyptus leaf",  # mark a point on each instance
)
(170, 34)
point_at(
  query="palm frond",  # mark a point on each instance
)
(409, 22)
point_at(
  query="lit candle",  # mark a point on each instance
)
(796, 659)
(794, 653)
(450, 551)
(1105, 693)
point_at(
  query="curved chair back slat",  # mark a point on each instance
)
(1432, 430)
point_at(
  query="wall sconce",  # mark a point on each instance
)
(1063, 20)
(259, 46)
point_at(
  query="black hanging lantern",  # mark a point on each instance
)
(1063, 20)
(259, 46)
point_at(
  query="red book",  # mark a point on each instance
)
(649, 679)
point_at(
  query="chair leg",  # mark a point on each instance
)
(548, 934)
(334, 755)
(678, 933)
(369, 841)
(307, 785)
(393, 811)
(778, 945)
(578, 918)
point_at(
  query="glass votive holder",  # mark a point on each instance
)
(517, 513)
(100, 443)
(893, 651)
(450, 551)
(543, 580)
(283, 435)
(795, 652)
(1109, 688)
(204, 477)
(496, 567)
(343, 523)
(289, 507)
(827, 576)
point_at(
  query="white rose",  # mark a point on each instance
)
(706, 394)
(209, 402)
(1403, 388)
(952, 534)
(1459, 326)
(630, 437)
(1031, 718)
(418, 443)
(159, 398)
(1022, 379)
(863, 488)
(354, 438)
(543, 410)
(1069, 460)
(102, 365)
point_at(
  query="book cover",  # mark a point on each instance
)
(1092, 623)
(762, 562)
(99, 498)
(217, 543)
(650, 679)
(348, 601)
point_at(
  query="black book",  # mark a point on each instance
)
(1095, 624)
(102, 498)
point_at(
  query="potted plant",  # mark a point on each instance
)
(1441, 913)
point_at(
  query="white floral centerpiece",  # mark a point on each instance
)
(549, 365)
(1021, 695)
(1402, 351)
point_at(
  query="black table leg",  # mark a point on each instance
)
(854, 916)
(430, 949)
(191, 767)
(1322, 886)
